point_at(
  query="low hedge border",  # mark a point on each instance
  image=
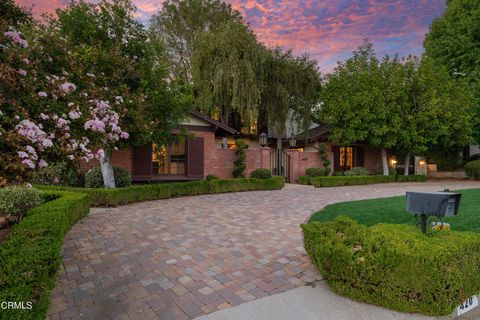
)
(336, 181)
(113, 197)
(396, 266)
(31, 255)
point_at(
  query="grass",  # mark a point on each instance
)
(392, 210)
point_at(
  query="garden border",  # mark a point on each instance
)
(337, 181)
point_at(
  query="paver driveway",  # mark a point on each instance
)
(183, 257)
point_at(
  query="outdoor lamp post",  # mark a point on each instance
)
(262, 138)
(292, 141)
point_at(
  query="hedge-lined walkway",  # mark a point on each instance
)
(183, 257)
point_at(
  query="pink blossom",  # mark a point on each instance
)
(95, 125)
(22, 72)
(29, 163)
(42, 94)
(71, 157)
(124, 135)
(44, 116)
(31, 150)
(42, 163)
(67, 87)
(26, 61)
(47, 143)
(22, 154)
(101, 153)
(74, 114)
(15, 37)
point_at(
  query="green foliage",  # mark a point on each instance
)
(392, 210)
(31, 255)
(211, 177)
(12, 14)
(261, 173)
(472, 169)
(395, 266)
(305, 180)
(94, 178)
(181, 22)
(113, 197)
(239, 163)
(15, 201)
(56, 174)
(322, 151)
(317, 172)
(336, 181)
(357, 171)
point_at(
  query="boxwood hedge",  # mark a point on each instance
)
(396, 266)
(113, 197)
(336, 181)
(30, 256)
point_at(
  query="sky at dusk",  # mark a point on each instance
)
(326, 29)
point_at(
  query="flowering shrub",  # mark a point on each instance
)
(15, 201)
(56, 174)
(94, 179)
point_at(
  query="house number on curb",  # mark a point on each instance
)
(467, 305)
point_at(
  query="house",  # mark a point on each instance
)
(209, 152)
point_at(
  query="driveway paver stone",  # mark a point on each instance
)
(183, 257)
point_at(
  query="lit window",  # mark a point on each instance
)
(346, 158)
(169, 159)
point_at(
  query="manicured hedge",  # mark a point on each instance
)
(336, 181)
(137, 193)
(30, 257)
(396, 266)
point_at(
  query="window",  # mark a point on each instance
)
(346, 158)
(169, 160)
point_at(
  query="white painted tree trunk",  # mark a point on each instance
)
(407, 164)
(107, 171)
(385, 162)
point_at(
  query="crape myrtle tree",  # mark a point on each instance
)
(360, 101)
(454, 43)
(93, 80)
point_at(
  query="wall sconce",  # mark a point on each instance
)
(422, 162)
(394, 162)
(292, 141)
(263, 139)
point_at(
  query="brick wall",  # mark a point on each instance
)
(120, 158)
(301, 161)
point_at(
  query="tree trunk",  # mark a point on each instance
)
(279, 142)
(407, 164)
(385, 162)
(107, 171)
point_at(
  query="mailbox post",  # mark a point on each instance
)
(439, 204)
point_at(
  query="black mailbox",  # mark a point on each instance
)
(440, 204)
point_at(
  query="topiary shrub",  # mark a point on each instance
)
(261, 173)
(357, 171)
(396, 266)
(56, 174)
(94, 178)
(239, 163)
(211, 177)
(15, 201)
(472, 169)
(322, 151)
(317, 172)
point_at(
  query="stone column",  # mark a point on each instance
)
(265, 157)
(294, 169)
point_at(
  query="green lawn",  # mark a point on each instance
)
(392, 210)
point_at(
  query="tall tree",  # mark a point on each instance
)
(360, 101)
(453, 42)
(180, 22)
(225, 67)
(290, 88)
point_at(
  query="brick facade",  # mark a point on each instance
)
(120, 158)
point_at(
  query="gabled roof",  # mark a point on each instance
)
(214, 122)
(322, 132)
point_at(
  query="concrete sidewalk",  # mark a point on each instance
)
(307, 303)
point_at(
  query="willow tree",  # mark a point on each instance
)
(225, 74)
(290, 89)
(180, 22)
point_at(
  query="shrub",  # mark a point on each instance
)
(357, 171)
(322, 151)
(261, 173)
(304, 180)
(104, 197)
(56, 174)
(336, 181)
(31, 255)
(472, 169)
(395, 266)
(239, 163)
(211, 177)
(474, 157)
(411, 178)
(15, 201)
(317, 172)
(94, 178)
